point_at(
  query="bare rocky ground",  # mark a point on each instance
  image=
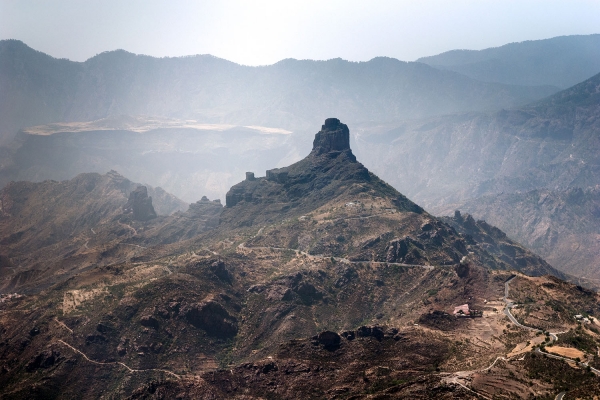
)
(320, 281)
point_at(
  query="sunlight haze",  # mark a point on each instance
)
(264, 32)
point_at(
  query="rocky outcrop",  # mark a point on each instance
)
(330, 340)
(507, 253)
(221, 272)
(559, 225)
(206, 210)
(212, 317)
(405, 250)
(334, 136)
(149, 321)
(296, 286)
(140, 205)
(45, 359)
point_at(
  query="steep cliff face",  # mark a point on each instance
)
(333, 136)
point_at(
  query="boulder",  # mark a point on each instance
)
(45, 359)
(404, 250)
(371, 331)
(220, 270)
(308, 292)
(149, 321)
(349, 335)
(279, 293)
(330, 340)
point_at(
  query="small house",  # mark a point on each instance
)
(462, 311)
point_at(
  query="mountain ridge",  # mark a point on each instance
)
(562, 61)
(213, 90)
(549, 145)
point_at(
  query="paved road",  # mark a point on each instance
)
(553, 336)
(509, 305)
(560, 396)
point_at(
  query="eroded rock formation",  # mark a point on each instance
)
(140, 205)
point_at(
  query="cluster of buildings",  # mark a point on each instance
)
(582, 319)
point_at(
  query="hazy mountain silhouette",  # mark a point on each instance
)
(553, 144)
(290, 94)
(442, 161)
(561, 61)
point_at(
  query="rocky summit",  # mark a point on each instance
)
(318, 280)
(329, 171)
(334, 136)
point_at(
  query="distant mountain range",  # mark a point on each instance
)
(291, 94)
(188, 159)
(561, 61)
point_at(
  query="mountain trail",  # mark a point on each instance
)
(242, 246)
(129, 369)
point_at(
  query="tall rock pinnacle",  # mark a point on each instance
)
(140, 205)
(333, 136)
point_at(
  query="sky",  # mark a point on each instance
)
(264, 32)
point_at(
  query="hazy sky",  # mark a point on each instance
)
(263, 32)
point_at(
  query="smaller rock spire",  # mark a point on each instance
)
(140, 205)
(333, 136)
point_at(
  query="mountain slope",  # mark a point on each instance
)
(291, 94)
(472, 159)
(53, 230)
(319, 280)
(343, 210)
(562, 226)
(553, 143)
(561, 61)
